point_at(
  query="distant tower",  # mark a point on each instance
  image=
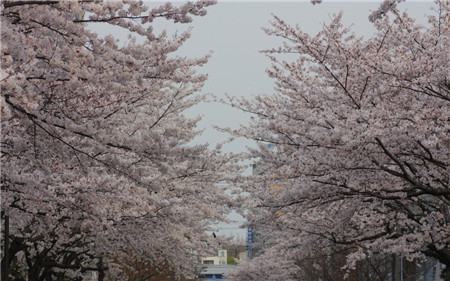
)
(250, 241)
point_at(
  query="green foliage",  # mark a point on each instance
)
(231, 260)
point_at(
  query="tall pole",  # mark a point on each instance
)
(401, 267)
(250, 242)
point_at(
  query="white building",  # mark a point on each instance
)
(220, 259)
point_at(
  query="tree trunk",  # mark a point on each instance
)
(5, 264)
(445, 274)
(101, 270)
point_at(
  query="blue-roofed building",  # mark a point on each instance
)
(215, 272)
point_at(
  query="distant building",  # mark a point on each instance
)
(236, 252)
(214, 272)
(220, 259)
(243, 256)
(256, 236)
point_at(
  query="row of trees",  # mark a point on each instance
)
(98, 171)
(357, 170)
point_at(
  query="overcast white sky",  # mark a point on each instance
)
(232, 32)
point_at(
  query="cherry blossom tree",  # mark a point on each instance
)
(359, 142)
(97, 161)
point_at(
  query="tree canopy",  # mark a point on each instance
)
(97, 160)
(359, 150)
